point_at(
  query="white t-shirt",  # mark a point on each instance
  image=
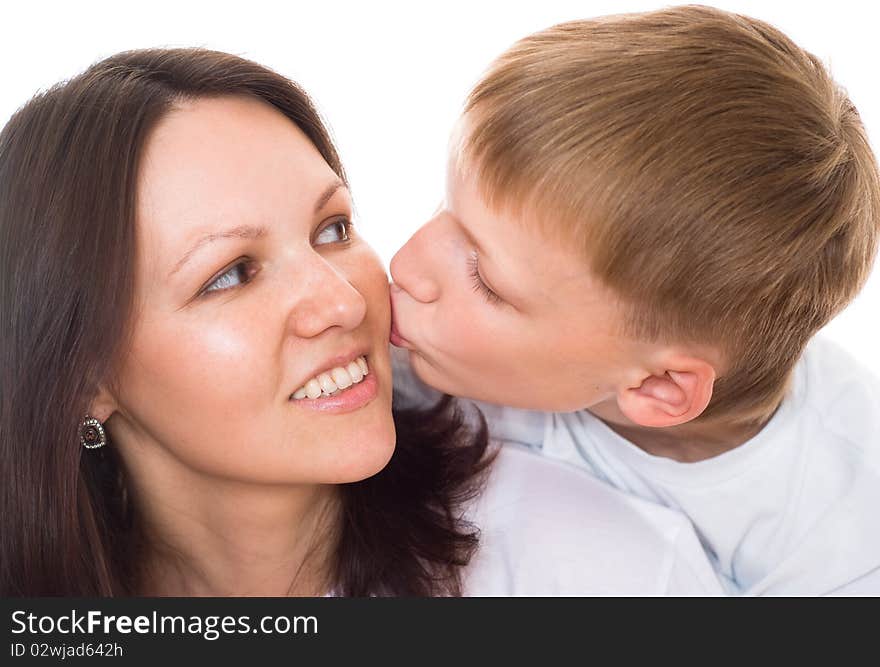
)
(549, 529)
(793, 511)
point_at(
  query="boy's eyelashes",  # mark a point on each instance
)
(479, 285)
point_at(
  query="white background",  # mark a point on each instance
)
(390, 78)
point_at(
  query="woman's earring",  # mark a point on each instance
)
(91, 433)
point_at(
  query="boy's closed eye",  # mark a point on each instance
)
(480, 285)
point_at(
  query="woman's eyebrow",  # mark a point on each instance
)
(328, 193)
(249, 231)
(240, 232)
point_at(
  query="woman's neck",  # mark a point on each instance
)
(215, 537)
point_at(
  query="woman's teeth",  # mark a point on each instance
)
(336, 379)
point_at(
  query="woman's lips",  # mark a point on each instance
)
(348, 400)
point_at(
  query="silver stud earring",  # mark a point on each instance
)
(91, 433)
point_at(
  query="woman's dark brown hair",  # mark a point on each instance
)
(68, 178)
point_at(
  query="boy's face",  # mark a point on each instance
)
(491, 309)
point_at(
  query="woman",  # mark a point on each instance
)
(196, 390)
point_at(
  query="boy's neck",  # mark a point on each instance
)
(686, 443)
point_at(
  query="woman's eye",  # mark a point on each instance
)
(238, 274)
(336, 232)
(243, 271)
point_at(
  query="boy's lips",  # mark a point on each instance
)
(395, 337)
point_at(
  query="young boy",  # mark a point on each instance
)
(648, 218)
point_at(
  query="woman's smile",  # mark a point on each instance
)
(344, 388)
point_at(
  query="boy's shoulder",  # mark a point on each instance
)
(824, 358)
(547, 528)
(839, 392)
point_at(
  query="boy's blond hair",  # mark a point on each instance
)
(714, 175)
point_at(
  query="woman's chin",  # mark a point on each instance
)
(367, 459)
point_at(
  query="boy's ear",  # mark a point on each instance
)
(676, 396)
(103, 405)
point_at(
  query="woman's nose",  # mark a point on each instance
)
(329, 300)
(412, 266)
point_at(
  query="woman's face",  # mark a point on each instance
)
(250, 283)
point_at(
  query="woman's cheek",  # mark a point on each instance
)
(368, 277)
(212, 363)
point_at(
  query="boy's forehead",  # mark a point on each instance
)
(459, 159)
(455, 149)
(458, 170)
(468, 198)
(465, 189)
(529, 245)
(516, 244)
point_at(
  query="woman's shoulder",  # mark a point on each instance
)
(547, 528)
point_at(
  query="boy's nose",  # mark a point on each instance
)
(411, 268)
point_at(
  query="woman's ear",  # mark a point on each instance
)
(103, 405)
(674, 396)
